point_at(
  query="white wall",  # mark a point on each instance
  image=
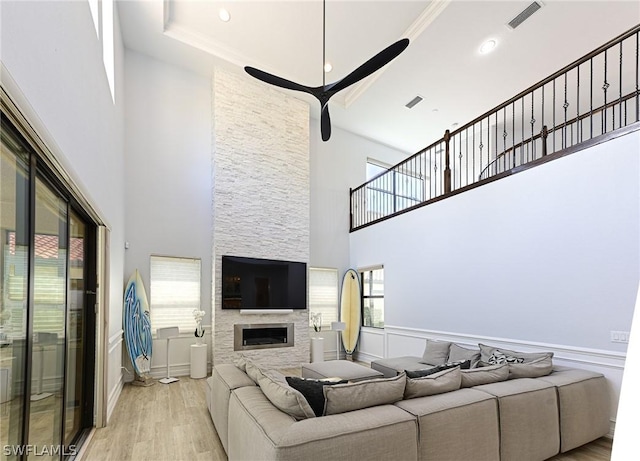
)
(54, 56)
(168, 179)
(336, 165)
(547, 259)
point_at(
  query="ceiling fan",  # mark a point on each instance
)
(325, 92)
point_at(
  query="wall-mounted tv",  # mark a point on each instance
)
(252, 283)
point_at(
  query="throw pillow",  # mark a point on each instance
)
(534, 369)
(363, 394)
(484, 375)
(486, 351)
(457, 352)
(252, 370)
(498, 357)
(284, 397)
(241, 362)
(463, 364)
(312, 391)
(437, 383)
(435, 352)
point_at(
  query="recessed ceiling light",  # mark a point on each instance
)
(224, 15)
(488, 46)
(328, 67)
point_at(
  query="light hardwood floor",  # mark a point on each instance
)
(171, 422)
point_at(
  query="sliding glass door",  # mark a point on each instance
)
(47, 321)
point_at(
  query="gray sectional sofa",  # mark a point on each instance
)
(434, 417)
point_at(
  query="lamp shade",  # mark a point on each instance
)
(338, 326)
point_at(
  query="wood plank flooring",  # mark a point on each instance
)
(171, 422)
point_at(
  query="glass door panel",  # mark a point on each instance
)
(76, 325)
(14, 271)
(49, 306)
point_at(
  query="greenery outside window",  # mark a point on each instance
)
(372, 279)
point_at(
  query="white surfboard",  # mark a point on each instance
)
(350, 310)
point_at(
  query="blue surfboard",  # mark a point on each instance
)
(136, 320)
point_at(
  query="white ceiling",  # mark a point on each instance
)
(442, 63)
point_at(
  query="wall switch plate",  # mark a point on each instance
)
(619, 336)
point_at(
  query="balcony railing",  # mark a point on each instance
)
(593, 96)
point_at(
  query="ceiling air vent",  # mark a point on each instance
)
(524, 15)
(413, 102)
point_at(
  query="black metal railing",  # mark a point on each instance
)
(592, 96)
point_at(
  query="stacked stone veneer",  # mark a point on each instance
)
(260, 199)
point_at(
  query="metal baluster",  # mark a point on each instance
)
(637, 78)
(620, 89)
(591, 98)
(513, 133)
(466, 153)
(504, 138)
(565, 105)
(522, 134)
(554, 114)
(604, 88)
(578, 120)
(533, 121)
(480, 146)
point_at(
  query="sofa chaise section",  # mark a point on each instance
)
(225, 379)
(584, 404)
(455, 426)
(258, 430)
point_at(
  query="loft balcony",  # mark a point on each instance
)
(590, 101)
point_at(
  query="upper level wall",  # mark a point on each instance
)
(550, 255)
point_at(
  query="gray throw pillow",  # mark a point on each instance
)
(363, 394)
(484, 375)
(534, 369)
(252, 370)
(435, 352)
(274, 386)
(457, 353)
(437, 383)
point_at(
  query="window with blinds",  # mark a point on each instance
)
(323, 295)
(175, 292)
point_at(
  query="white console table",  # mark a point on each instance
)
(198, 361)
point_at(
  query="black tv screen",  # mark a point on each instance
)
(251, 283)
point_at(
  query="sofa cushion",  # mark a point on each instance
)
(241, 362)
(437, 383)
(484, 375)
(457, 352)
(533, 369)
(284, 397)
(312, 390)
(393, 366)
(463, 364)
(436, 352)
(487, 351)
(363, 394)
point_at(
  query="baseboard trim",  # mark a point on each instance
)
(114, 395)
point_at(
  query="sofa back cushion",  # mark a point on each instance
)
(438, 383)
(462, 364)
(435, 352)
(457, 353)
(363, 394)
(312, 389)
(534, 369)
(484, 375)
(274, 386)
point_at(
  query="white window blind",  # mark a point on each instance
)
(323, 295)
(175, 292)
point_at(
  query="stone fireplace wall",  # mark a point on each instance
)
(260, 199)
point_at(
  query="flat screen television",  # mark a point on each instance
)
(252, 283)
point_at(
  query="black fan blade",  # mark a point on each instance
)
(372, 65)
(274, 80)
(325, 123)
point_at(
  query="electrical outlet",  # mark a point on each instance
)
(619, 336)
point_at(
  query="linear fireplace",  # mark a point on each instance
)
(262, 336)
